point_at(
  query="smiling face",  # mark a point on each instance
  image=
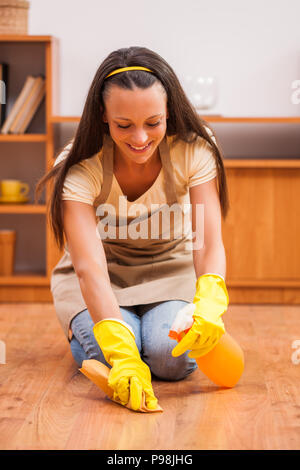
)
(137, 121)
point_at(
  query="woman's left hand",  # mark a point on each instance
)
(211, 301)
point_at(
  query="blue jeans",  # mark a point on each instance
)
(151, 324)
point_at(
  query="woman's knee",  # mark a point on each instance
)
(166, 367)
(157, 346)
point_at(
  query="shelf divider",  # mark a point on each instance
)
(23, 137)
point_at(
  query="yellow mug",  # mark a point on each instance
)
(14, 189)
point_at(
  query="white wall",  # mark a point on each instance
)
(253, 47)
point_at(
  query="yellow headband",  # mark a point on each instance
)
(127, 68)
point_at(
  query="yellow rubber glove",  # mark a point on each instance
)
(129, 376)
(211, 301)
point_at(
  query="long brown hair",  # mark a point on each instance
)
(183, 123)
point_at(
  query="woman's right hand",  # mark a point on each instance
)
(129, 376)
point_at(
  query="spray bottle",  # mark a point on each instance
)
(224, 364)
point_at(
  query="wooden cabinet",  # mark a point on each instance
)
(261, 233)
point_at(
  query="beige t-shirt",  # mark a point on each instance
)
(193, 164)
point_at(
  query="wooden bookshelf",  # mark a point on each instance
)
(31, 285)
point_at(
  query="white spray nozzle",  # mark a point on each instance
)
(184, 318)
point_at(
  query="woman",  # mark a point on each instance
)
(139, 144)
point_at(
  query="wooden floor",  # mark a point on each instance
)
(46, 403)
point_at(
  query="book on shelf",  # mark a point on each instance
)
(32, 109)
(25, 106)
(3, 91)
(29, 107)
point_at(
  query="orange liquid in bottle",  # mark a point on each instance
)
(224, 364)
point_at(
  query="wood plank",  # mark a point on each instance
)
(23, 138)
(24, 38)
(33, 350)
(55, 408)
(59, 119)
(254, 119)
(261, 163)
(20, 293)
(214, 118)
(273, 296)
(24, 278)
(275, 337)
(22, 208)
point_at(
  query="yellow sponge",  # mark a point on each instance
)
(98, 374)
